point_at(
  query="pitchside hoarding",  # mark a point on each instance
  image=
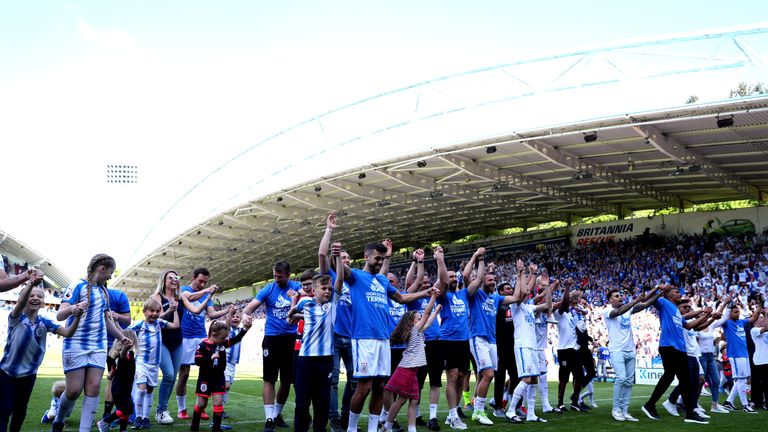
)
(737, 221)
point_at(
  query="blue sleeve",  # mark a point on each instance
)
(351, 278)
(332, 274)
(122, 306)
(391, 290)
(300, 306)
(49, 325)
(136, 326)
(162, 323)
(264, 293)
(71, 294)
(498, 301)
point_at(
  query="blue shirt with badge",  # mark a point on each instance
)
(317, 340)
(193, 325)
(672, 334)
(370, 297)
(454, 316)
(25, 346)
(482, 314)
(278, 304)
(150, 338)
(91, 333)
(343, 324)
(736, 337)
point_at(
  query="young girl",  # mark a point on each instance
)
(122, 366)
(24, 352)
(149, 332)
(85, 353)
(211, 358)
(404, 382)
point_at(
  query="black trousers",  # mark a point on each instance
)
(760, 380)
(14, 397)
(588, 362)
(313, 385)
(675, 365)
(693, 376)
(507, 367)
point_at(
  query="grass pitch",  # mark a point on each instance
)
(247, 413)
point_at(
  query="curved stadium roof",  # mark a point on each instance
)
(53, 275)
(457, 185)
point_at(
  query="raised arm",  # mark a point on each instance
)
(322, 250)
(214, 314)
(625, 307)
(338, 284)
(562, 305)
(421, 324)
(411, 274)
(652, 296)
(33, 277)
(724, 310)
(547, 289)
(466, 273)
(756, 313)
(442, 270)
(387, 257)
(418, 255)
(480, 277)
(701, 316)
(187, 299)
(9, 283)
(517, 294)
(407, 298)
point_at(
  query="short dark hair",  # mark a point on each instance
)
(200, 271)
(378, 247)
(320, 279)
(611, 291)
(503, 285)
(282, 267)
(307, 275)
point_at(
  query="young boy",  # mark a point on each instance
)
(315, 361)
(211, 358)
(233, 352)
(57, 389)
(150, 338)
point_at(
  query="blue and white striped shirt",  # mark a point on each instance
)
(318, 327)
(25, 347)
(91, 334)
(150, 339)
(233, 352)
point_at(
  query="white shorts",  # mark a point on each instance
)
(146, 374)
(527, 362)
(188, 348)
(74, 360)
(229, 373)
(371, 358)
(740, 367)
(542, 361)
(484, 353)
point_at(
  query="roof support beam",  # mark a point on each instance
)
(569, 160)
(528, 184)
(676, 151)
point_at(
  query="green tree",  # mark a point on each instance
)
(692, 99)
(743, 89)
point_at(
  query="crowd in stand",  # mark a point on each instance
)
(393, 326)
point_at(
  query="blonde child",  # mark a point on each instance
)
(24, 352)
(149, 332)
(404, 382)
(57, 389)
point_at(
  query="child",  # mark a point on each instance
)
(149, 332)
(57, 389)
(24, 352)
(211, 358)
(404, 382)
(315, 361)
(85, 353)
(122, 366)
(233, 353)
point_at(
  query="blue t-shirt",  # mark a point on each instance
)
(317, 339)
(370, 295)
(672, 334)
(343, 324)
(482, 314)
(396, 311)
(454, 316)
(603, 353)
(91, 333)
(432, 332)
(118, 302)
(193, 325)
(278, 304)
(736, 337)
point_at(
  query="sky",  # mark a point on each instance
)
(181, 88)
